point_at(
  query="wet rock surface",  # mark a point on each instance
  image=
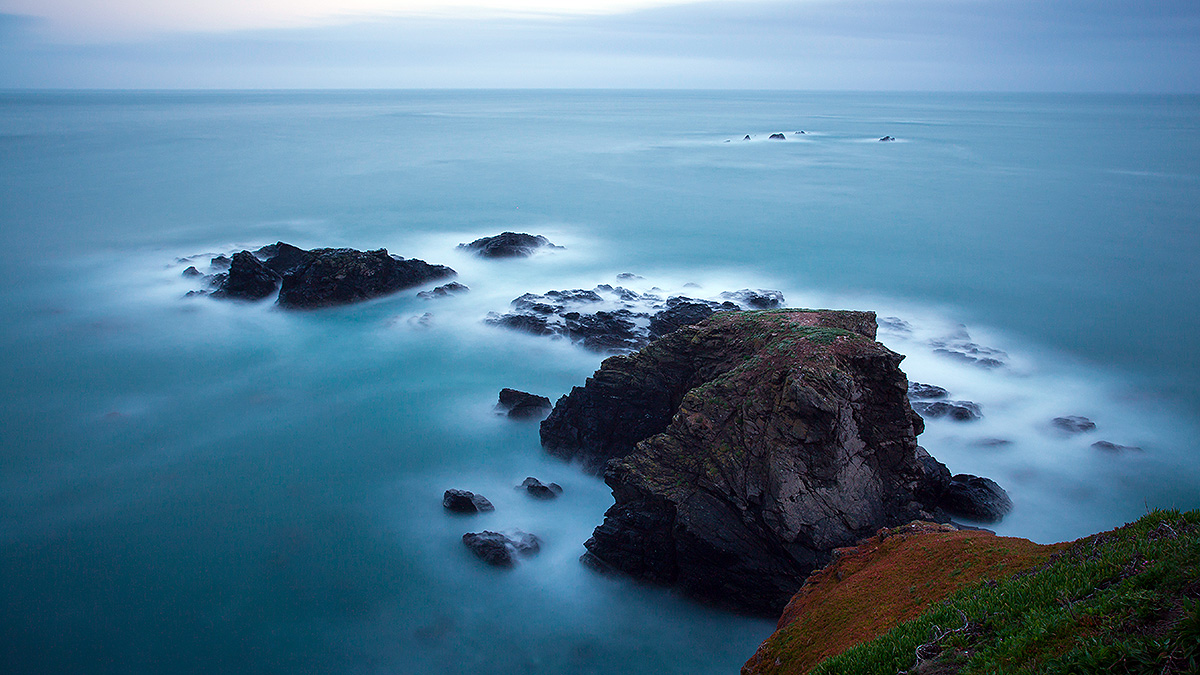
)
(508, 245)
(976, 498)
(523, 405)
(918, 391)
(499, 549)
(462, 501)
(745, 449)
(452, 288)
(959, 411)
(248, 279)
(615, 320)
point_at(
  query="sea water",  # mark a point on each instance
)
(190, 485)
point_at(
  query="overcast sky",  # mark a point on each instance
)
(971, 45)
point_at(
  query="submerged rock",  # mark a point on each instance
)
(959, 346)
(508, 245)
(501, 550)
(462, 501)
(745, 449)
(535, 488)
(1108, 446)
(1073, 424)
(523, 405)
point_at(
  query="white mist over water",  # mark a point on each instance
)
(192, 485)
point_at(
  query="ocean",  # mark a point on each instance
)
(190, 485)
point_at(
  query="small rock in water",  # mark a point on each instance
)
(916, 390)
(746, 138)
(508, 245)
(499, 549)
(462, 501)
(221, 262)
(887, 138)
(192, 272)
(523, 405)
(444, 290)
(1108, 446)
(959, 411)
(535, 488)
(992, 442)
(976, 498)
(1073, 424)
(629, 276)
(777, 137)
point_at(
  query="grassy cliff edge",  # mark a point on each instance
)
(930, 599)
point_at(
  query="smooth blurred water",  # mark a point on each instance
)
(196, 486)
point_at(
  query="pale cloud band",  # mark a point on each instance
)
(946, 45)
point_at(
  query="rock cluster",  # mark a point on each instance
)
(499, 549)
(742, 451)
(462, 501)
(616, 320)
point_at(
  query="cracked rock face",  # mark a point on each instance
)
(767, 440)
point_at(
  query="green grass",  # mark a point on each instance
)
(1117, 602)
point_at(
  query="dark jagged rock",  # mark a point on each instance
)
(960, 347)
(634, 397)
(587, 318)
(777, 137)
(1073, 424)
(959, 411)
(535, 488)
(284, 259)
(680, 312)
(318, 278)
(192, 272)
(918, 391)
(248, 279)
(522, 405)
(451, 288)
(745, 449)
(500, 550)
(338, 276)
(462, 501)
(221, 262)
(1109, 446)
(976, 498)
(887, 139)
(508, 245)
(746, 138)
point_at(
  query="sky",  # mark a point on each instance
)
(1143, 46)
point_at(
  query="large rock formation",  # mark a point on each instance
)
(745, 449)
(322, 277)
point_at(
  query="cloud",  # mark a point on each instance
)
(1047, 45)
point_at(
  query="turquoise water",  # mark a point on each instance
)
(191, 486)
